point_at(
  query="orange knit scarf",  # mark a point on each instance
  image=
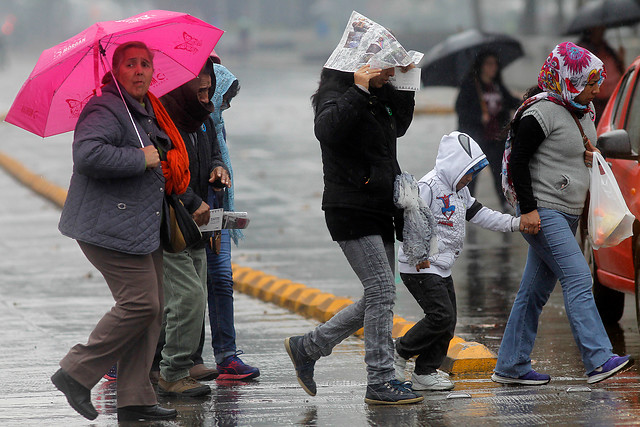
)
(176, 167)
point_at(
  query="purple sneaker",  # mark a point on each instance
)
(530, 378)
(112, 375)
(233, 368)
(611, 367)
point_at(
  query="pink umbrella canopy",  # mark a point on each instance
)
(66, 76)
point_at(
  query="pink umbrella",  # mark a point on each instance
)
(66, 76)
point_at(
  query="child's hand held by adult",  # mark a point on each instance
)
(530, 222)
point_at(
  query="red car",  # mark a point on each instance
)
(616, 270)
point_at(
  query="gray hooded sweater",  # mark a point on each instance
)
(559, 177)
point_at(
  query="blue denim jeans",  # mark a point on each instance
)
(373, 261)
(554, 254)
(220, 299)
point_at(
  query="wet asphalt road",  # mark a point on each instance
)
(50, 296)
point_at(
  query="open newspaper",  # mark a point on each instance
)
(366, 42)
(221, 219)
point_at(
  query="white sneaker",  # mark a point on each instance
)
(443, 374)
(399, 364)
(432, 382)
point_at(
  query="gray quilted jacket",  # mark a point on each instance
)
(113, 201)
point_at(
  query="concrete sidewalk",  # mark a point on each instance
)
(42, 318)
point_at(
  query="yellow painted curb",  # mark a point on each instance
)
(293, 300)
(400, 327)
(454, 341)
(238, 274)
(468, 359)
(281, 295)
(463, 358)
(310, 309)
(268, 292)
(37, 183)
(331, 306)
(248, 281)
(257, 286)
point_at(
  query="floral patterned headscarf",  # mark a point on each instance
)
(566, 72)
(564, 75)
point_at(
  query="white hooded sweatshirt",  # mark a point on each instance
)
(458, 153)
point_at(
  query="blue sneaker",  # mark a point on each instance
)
(304, 364)
(611, 367)
(530, 378)
(391, 393)
(112, 375)
(233, 368)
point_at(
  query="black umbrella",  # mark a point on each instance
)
(447, 63)
(605, 13)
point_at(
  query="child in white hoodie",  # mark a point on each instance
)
(445, 193)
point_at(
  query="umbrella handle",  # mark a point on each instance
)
(97, 52)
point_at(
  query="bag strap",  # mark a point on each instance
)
(585, 138)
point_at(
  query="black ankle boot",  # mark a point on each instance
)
(78, 396)
(145, 413)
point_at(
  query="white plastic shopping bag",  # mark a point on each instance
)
(610, 221)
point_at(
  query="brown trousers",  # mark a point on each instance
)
(128, 333)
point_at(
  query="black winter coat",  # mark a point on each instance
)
(357, 133)
(204, 157)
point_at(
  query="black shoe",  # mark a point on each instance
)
(145, 413)
(303, 364)
(391, 393)
(78, 396)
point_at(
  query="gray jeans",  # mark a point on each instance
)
(373, 262)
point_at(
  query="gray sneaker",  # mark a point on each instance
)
(431, 382)
(391, 393)
(303, 363)
(400, 365)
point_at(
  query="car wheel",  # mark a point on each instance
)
(610, 303)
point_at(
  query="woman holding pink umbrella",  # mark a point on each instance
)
(114, 210)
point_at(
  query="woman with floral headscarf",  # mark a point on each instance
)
(551, 154)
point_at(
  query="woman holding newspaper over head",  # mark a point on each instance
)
(358, 116)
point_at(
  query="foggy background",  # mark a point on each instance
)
(310, 28)
(277, 48)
